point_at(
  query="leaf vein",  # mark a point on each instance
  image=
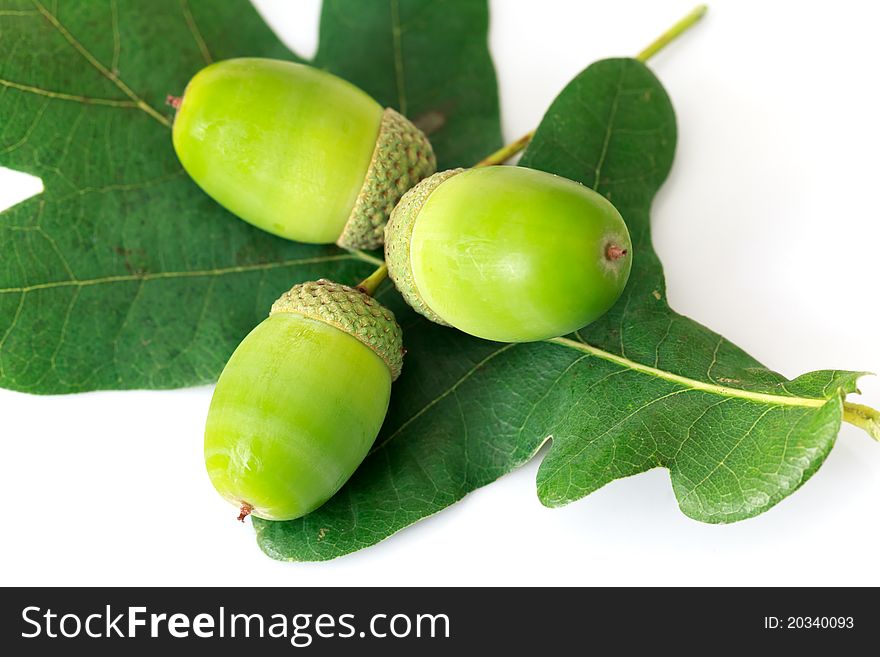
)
(59, 95)
(759, 397)
(609, 129)
(399, 76)
(590, 442)
(103, 70)
(442, 396)
(194, 30)
(726, 456)
(220, 271)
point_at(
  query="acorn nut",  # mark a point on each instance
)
(301, 400)
(297, 151)
(508, 253)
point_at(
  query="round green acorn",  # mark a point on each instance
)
(301, 400)
(296, 151)
(507, 253)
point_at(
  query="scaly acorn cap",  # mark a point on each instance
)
(397, 238)
(351, 311)
(403, 156)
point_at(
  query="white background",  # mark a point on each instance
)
(769, 230)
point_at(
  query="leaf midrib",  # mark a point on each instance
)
(196, 273)
(694, 384)
(137, 101)
(609, 130)
(399, 76)
(687, 383)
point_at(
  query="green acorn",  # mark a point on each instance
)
(297, 151)
(507, 253)
(301, 400)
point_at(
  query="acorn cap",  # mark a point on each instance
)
(403, 156)
(397, 238)
(349, 310)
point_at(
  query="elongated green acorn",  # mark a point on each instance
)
(507, 253)
(297, 151)
(301, 400)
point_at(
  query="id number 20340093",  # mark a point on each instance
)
(808, 622)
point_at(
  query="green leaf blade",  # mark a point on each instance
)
(428, 60)
(122, 273)
(433, 449)
(736, 436)
(745, 472)
(641, 388)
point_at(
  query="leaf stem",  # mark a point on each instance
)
(863, 417)
(673, 33)
(506, 152)
(366, 257)
(693, 384)
(371, 283)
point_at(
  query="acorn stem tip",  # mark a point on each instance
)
(244, 511)
(372, 282)
(614, 252)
